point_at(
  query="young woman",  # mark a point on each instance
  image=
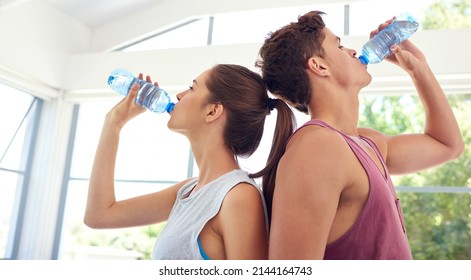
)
(221, 214)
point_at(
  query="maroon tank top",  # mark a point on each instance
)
(379, 232)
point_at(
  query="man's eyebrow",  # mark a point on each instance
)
(339, 40)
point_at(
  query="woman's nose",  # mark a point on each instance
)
(181, 95)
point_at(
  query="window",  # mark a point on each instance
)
(18, 115)
(436, 202)
(150, 158)
(194, 31)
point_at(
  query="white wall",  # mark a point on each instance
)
(44, 51)
(446, 52)
(36, 41)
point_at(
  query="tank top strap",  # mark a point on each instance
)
(378, 154)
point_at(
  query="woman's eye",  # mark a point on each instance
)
(190, 87)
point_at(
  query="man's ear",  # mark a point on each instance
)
(316, 65)
(214, 111)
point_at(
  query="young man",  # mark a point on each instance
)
(333, 197)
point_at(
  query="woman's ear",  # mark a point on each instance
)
(315, 65)
(214, 111)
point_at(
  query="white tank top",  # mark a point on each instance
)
(190, 213)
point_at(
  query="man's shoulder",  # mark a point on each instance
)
(315, 137)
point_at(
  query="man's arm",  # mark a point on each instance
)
(441, 140)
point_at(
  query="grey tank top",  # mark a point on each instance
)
(190, 213)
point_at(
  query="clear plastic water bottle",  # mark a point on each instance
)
(378, 47)
(149, 96)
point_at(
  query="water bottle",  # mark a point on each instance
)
(378, 47)
(149, 96)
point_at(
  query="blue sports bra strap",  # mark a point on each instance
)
(202, 252)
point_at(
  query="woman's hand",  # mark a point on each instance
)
(127, 108)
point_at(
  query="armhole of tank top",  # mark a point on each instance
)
(198, 241)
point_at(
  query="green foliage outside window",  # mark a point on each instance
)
(438, 224)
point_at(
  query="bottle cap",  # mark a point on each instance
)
(363, 59)
(170, 107)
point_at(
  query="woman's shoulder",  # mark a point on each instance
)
(241, 198)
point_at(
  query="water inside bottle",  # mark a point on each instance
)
(407, 28)
(378, 47)
(147, 94)
(120, 83)
(153, 98)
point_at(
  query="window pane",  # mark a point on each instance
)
(12, 144)
(8, 192)
(367, 15)
(148, 149)
(438, 224)
(194, 34)
(254, 26)
(11, 126)
(82, 242)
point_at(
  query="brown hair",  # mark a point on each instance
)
(283, 61)
(244, 95)
(284, 56)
